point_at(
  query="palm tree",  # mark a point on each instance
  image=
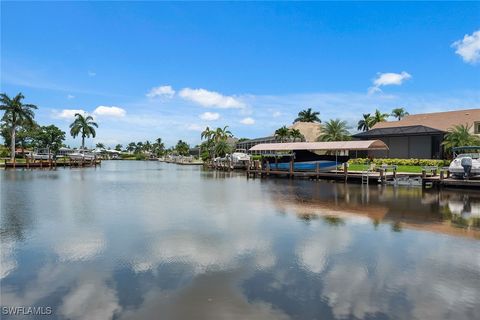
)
(84, 126)
(222, 134)
(131, 146)
(147, 146)
(308, 116)
(16, 114)
(282, 134)
(295, 133)
(222, 148)
(206, 134)
(118, 147)
(364, 124)
(335, 130)
(459, 136)
(399, 113)
(378, 117)
(100, 145)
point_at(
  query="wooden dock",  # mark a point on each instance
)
(40, 164)
(438, 182)
(430, 177)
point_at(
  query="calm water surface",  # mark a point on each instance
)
(146, 240)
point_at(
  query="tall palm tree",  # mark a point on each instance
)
(378, 117)
(131, 146)
(399, 113)
(206, 134)
(222, 134)
(147, 146)
(100, 145)
(364, 124)
(335, 130)
(295, 133)
(308, 115)
(459, 136)
(16, 113)
(282, 134)
(85, 126)
(222, 148)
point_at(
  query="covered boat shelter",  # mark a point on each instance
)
(328, 146)
(307, 156)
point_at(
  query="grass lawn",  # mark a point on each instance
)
(410, 169)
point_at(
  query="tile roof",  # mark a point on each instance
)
(438, 120)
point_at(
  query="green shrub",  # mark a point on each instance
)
(401, 162)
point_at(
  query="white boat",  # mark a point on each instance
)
(42, 154)
(82, 155)
(466, 164)
(239, 158)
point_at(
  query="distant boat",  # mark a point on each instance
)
(42, 154)
(239, 158)
(81, 155)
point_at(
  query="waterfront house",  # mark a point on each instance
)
(309, 130)
(419, 135)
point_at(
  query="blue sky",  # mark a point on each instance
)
(148, 69)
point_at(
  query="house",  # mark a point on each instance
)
(310, 131)
(420, 135)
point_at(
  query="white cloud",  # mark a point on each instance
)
(194, 127)
(114, 112)
(247, 121)
(469, 47)
(161, 91)
(68, 113)
(207, 98)
(92, 73)
(276, 114)
(70, 96)
(210, 116)
(388, 79)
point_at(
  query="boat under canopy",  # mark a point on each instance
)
(365, 145)
(305, 156)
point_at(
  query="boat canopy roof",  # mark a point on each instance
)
(466, 148)
(324, 146)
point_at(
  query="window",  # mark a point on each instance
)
(477, 127)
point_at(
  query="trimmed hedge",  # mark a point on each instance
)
(402, 162)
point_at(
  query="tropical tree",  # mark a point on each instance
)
(334, 130)
(308, 115)
(206, 134)
(458, 136)
(365, 123)
(50, 137)
(399, 113)
(222, 134)
(147, 146)
(158, 147)
(182, 148)
(222, 148)
(139, 147)
(118, 147)
(378, 117)
(131, 146)
(16, 113)
(84, 126)
(296, 134)
(100, 145)
(282, 134)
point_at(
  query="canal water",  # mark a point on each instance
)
(148, 240)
